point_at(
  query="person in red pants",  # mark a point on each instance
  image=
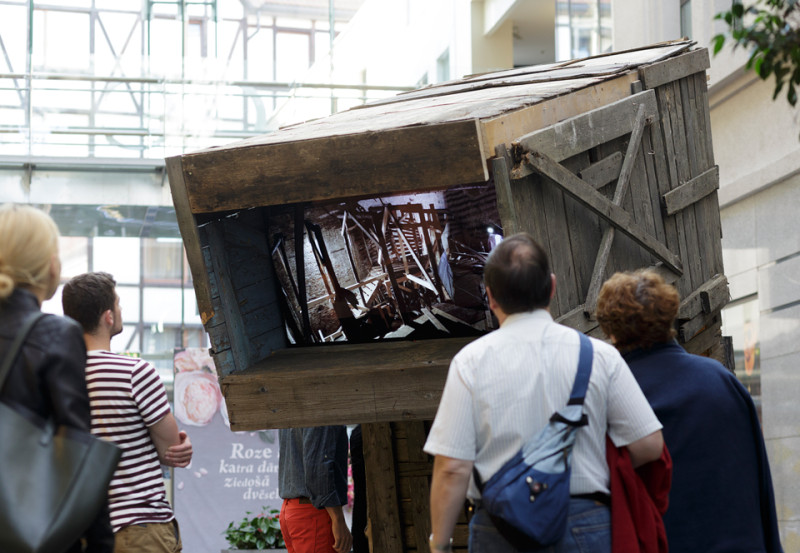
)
(312, 480)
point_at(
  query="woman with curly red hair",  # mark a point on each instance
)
(721, 498)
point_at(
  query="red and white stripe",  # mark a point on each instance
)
(127, 396)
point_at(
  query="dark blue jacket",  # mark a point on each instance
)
(721, 498)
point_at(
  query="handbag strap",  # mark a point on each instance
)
(581, 383)
(16, 345)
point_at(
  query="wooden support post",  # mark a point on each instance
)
(501, 171)
(382, 508)
(420, 488)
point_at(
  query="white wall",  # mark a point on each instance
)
(637, 23)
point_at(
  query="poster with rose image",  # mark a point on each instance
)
(231, 472)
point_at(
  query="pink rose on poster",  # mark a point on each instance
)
(194, 359)
(197, 397)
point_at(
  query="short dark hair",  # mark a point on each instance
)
(518, 274)
(86, 297)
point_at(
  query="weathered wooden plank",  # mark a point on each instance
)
(560, 255)
(530, 216)
(240, 346)
(598, 274)
(218, 335)
(222, 358)
(643, 206)
(420, 489)
(501, 166)
(191, 238)
(679, 173)
(382, 507)
(704, 120)
(584, 229)
(694, 143)
(666, 169)
(711, 296)
(692, 191)
(651, 170)
(705, 340)
(578, 319)
(602, 172)
(509, 126)
(715, 296)
(386, 381)
(615, 215)
(669, 276)
(672, 69)
(689, 329)
(352, 165)
(682, 140)
(693, 121)
(583, 132)
(712, 217)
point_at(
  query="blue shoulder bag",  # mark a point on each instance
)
(528, 498)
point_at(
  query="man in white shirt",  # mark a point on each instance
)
(501, 391)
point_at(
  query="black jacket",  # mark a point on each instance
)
(48, 379)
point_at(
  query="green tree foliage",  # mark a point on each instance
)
(770, 30)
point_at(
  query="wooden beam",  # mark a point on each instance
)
(414, 256)
(350, 165)
(418, 480)
(711, 296)
(705, 337)
(191, 238)
(598, 203)
(382, 508)
(501, 167)
(600, 173)
(427, 315)
(583, 132)
(300, 268)
(694, 190)
(341, 384)
(578, 319)
(237, 336)
(422, 282)
(676, 68)
(715, 296)
(598, 273)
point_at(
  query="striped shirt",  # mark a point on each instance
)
(502, 389)
(127, 397)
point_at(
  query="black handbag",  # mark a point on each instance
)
(53, 480)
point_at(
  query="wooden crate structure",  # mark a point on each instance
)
(606, 161)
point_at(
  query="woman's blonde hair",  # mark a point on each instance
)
(28, 241)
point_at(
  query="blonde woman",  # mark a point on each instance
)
(48, 378)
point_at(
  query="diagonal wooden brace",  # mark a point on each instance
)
(607, 210)
(623, 181)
